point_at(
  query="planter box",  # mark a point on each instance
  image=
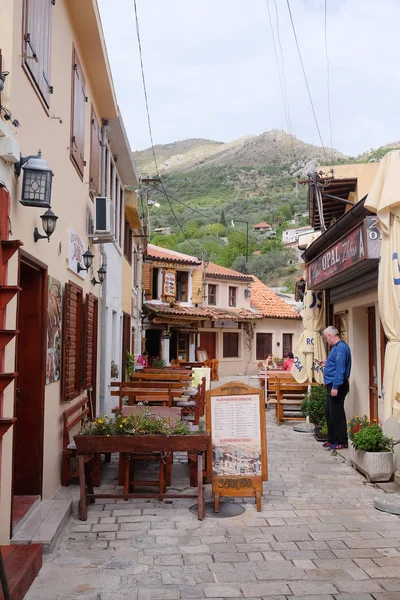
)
(141, 444)
(376, 466)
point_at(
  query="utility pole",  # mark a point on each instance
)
(247, 243)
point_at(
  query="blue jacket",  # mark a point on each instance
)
(338, 365)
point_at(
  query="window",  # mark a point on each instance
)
(128, 242)
(182, 286)
(95, 156)
(212, 294)
(263, 345)
(37, 45)
(78, 115)
(72, 373)
(155, 285)
(287, 345)
(232, 296)
(231, 344)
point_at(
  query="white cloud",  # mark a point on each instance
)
(211, 72)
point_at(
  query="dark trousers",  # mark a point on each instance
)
(335, 415)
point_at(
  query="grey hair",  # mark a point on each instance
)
(331, 330)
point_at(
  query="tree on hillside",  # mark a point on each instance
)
(223, 219)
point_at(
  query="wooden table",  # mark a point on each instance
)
(130, 444)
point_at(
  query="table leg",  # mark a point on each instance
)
(216, 502)
(127, 475)
(258, 501)
(90, 466)
(82, 486)
(200, 488)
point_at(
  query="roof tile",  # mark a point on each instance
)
(205, 312)
(217, 270)
(159, 253)
(268, 303)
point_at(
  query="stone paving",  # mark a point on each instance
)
(318, 536)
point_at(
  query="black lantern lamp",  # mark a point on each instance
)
(87, 261)
(36, 184)
(49, 221)
(247, 292)
(102, 274)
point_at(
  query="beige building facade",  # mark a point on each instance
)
(57, 97)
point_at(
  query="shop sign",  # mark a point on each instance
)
(76, 248)
(225, 323)
(360, 244)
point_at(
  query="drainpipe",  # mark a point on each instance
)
(103, 333)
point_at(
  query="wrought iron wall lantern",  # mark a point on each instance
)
(101, 274)
(36, 184)
(247, 292)
(87, 258)
(49, 221)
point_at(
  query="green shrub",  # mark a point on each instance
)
(372, 439)
(313, 405)
(130, 364)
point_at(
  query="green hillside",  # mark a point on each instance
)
(256, 178)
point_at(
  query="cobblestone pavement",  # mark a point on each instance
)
(318, 536)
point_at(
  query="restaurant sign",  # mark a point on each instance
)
(360, 244)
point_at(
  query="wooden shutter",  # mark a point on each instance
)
(230, 345)
(146, 278)
(78, 114)
(95, 155)
(197, 286)
(37, 44)
(72, 341)
(91, 312)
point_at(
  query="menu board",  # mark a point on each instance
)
(169, 283)
(236, 435)
(237, 456)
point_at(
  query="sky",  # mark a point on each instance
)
(211, 71)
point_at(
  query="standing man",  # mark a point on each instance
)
(336, 378)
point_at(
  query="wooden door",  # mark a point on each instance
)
(31, 362)
(208, 342)
(183, 346)
(372, 364)
(126, 341)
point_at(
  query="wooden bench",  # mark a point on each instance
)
(151, 392)
(72, 417)
(286, 392)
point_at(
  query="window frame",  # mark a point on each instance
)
(209, 294)
(232, 296)
(179, 275)
(94, 186)
(227, 337)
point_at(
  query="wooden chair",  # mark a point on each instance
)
(72, 417)
(165, 462)
(194, 407)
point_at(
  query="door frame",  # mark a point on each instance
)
(373, 398)
(34, 263)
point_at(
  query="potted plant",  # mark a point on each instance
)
(158, 363)
(114, 370)
(313, 407)
(130, 365)
(279, 361)
(371, 451)
(128, 433)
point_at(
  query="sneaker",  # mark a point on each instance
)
(339, 446)
(327, 445)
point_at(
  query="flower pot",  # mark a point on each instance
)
(142, 444)
(320, 437)
(376, 466)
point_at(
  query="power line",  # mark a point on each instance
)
(278, 69)
(144, 84)
(283, 67)
(328, 78)
(305, 79)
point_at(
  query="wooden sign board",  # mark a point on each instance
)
(237, 459)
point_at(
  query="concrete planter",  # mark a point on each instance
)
(376, 466)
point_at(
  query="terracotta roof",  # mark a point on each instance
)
(159, 253)
(262, 225)
(218, 271)
(268, 303)
(203, 312)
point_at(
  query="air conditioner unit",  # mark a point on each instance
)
(104, 217)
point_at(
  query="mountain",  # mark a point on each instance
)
(209, 185)
(254, 151)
